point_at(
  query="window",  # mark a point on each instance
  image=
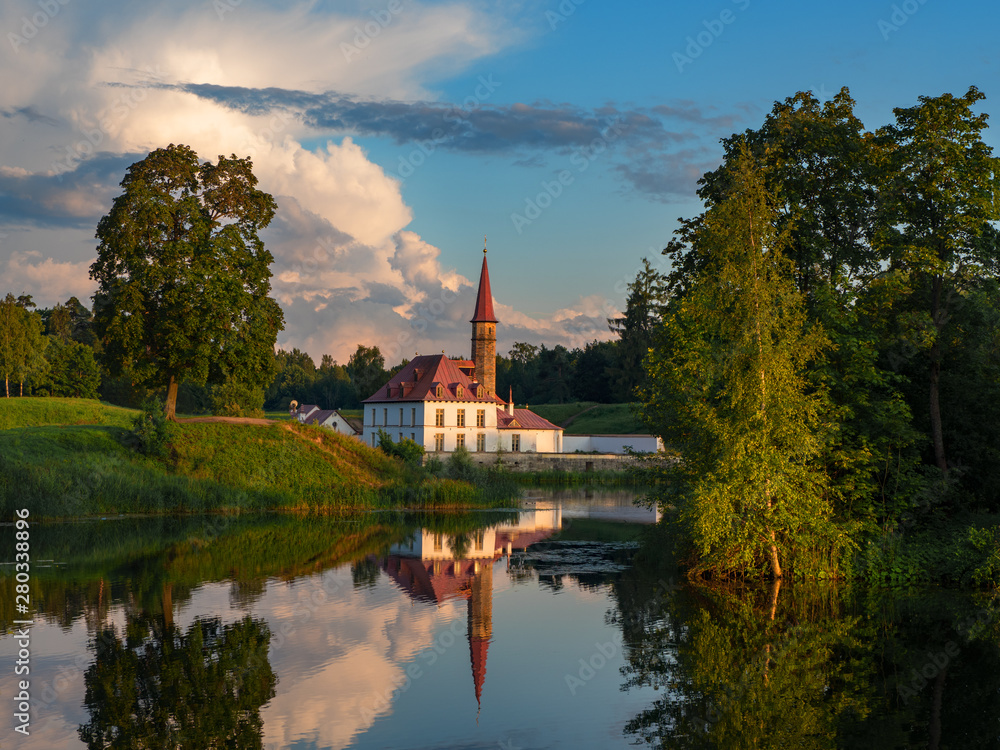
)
(515, 443)
(439, 391)
(385, 417)
(480, 417)
(401, 437)
(480, 442)
(480, 540)
(413, 417)
(374, 437)
(479, 392)
(439, 442)
(413, 436)
(438, 542)
(461, 417)
(459, 440)
(400, 416)
(459, 391)
(439, 417)
(373, 417)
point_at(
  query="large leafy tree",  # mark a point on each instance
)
(939, 197)
(22, 343)
(183, 276)
(727, 388)
(366, 368)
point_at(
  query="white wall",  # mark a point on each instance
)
(611, 443)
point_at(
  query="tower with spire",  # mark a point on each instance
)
(484, 332)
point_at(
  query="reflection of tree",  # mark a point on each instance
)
(808, 666)
(741, 668)
(364, 573)
(160, 687)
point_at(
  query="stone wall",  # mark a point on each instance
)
(550, 461)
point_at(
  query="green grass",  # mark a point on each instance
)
(592, 418)
(559, 413)
(74, 470)
(37, 412)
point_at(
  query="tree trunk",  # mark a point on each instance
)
(775, 564)
(937, 433)
(6, 385)
(22, 389)
(171, 405)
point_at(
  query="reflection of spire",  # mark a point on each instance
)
(480, 626)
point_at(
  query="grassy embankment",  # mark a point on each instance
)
(67, 457)
(592, 418)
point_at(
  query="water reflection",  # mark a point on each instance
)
(809, 666)
(548, 628)
(156, 685)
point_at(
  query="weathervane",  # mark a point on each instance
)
(484, 244)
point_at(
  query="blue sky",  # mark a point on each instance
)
(394, 134)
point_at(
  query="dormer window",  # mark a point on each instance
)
(479, 392)
(439, 392)
(460, 392)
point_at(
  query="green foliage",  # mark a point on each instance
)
(235, 399)
(408, 451)
(73, 371)
(183, 277)
(151, 432)
(37, 412)
(21, 343)
(727, 388)
(366, 368)
(644, 309)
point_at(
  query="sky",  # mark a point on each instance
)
(395, 135)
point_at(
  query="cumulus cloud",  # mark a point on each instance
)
(294, 88)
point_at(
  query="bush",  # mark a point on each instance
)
(151, 432)
(409, 451)
(234, 399)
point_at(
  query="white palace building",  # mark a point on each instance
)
(444, 404)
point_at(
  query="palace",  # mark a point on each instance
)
(445, 404)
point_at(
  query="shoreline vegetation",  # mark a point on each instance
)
(72, 458)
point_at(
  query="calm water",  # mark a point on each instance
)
(547, 628)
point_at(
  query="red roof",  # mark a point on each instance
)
(433, 369)
(526, 420)
(484, 298)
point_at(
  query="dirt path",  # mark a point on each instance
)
(569, 421)
(229, 420)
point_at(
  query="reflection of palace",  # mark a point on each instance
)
(435, 567)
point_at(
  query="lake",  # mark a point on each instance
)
(558, 625)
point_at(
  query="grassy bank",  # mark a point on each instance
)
(591, 418)
(56, 466)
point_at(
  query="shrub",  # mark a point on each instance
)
(151, 432)
(234, 399)
(409, 451)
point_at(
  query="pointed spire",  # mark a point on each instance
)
(484, 298)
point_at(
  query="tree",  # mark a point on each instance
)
(727, 388)
(183, 277)
(938, 200)
(643, 312)
(21, 341)
(367, 370)
(73, 371)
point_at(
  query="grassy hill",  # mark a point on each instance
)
(67, 457)
(591, 418)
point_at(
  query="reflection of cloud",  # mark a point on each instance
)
(339, 669)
